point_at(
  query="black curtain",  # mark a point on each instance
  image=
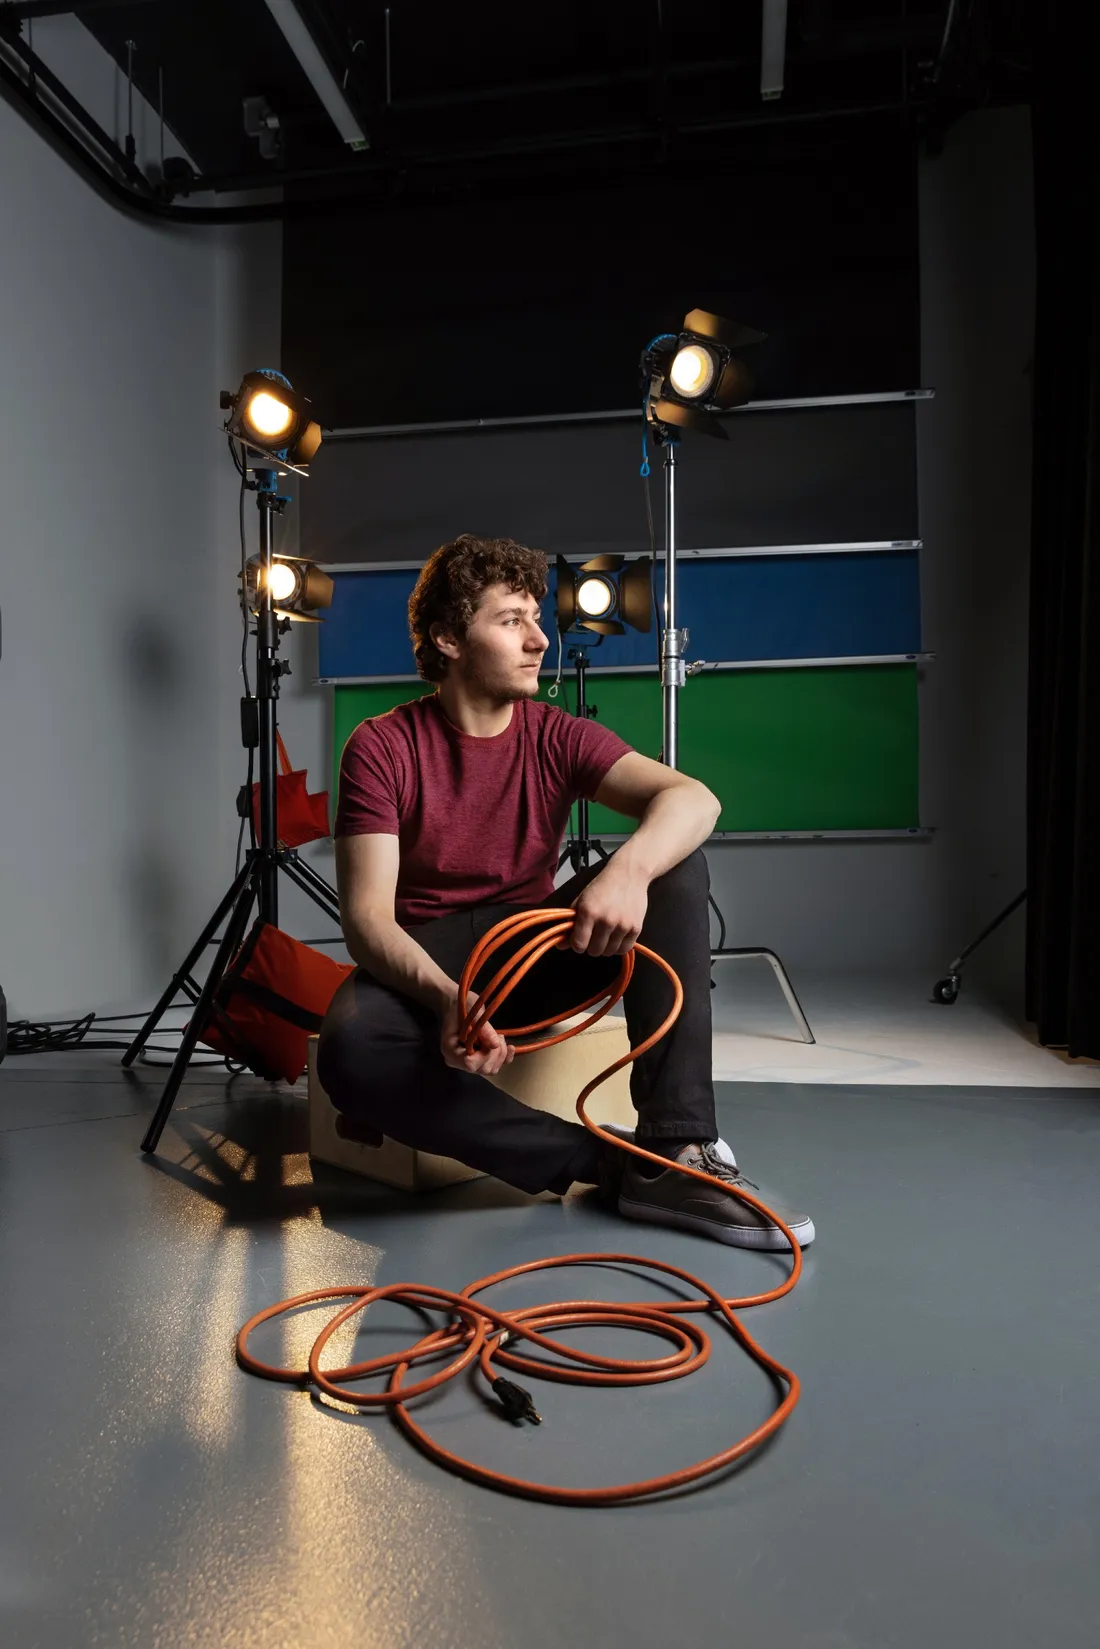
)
(1063, 939)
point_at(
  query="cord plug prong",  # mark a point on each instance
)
(517, 1403)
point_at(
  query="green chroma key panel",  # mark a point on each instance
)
(806, 749)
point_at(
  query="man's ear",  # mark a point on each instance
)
(444, 640)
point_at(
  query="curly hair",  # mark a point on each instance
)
(452, 582)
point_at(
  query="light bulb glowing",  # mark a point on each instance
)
(595, 597)
(282, 581)
(268, 415)
(692, 371)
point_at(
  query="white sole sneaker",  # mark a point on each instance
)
(768, 1238)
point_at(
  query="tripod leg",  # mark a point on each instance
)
(996, 922)
(183, 972)
(305, 877)
(312, 876)
(784, 982)
(231, 940)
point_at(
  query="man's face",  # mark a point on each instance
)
(503, 646)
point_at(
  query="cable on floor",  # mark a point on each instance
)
(477, 1333)
(29, 1036)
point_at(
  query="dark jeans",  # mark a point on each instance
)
(379, 1058)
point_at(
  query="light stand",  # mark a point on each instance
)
(673, 677)
(579, 848)
(258, 881)
(603, 597)
(673, 641)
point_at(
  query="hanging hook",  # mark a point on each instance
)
(355, 45)
(131, 146)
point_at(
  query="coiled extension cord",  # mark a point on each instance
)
(478, 1333)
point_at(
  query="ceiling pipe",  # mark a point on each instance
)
(63, 142)
(312, 63)
(24, 11)
(142, 202)
(773, 48)
(227, 182)
(40, 74)
(917, 33)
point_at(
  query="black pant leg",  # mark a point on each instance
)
(379, 1059)
(379, 1055)
(672, 1086)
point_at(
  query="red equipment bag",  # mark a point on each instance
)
(299, 817)
(274, 995)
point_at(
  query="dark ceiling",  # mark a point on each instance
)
(504, 87)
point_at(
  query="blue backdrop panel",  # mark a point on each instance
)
(366, 630)
(744, 608)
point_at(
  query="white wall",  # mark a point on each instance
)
(119, 744)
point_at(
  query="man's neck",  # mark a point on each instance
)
(472, 711)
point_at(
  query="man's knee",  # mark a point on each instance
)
(368, 1072)
(337, 1062)
(689, 879)
(373, 1042)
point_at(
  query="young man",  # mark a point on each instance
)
(451, 814)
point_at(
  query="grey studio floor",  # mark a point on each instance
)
(937, 1485)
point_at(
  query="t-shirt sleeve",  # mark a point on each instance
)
(592, 752)
(368, 800)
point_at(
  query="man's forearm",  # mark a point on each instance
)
(395, 959)
(675, 823)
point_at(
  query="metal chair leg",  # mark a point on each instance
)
(781, 974)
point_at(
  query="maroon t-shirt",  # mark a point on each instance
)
(479, 821)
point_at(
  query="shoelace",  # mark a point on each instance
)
(716, 1165)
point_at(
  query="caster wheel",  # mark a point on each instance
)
(947, 990)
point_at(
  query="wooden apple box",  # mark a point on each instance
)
(549, 1080)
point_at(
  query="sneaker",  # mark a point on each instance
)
(671, 1198)
(611, 1161)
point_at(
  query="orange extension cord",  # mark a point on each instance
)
(482, 1334)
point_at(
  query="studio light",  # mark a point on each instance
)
(267, 415)
(282, 581)
(271, 418)
(688, 377)
(295, 585)
(604, 597)
(595, 596)
(269, 428)
(607, 595)
(693, 374)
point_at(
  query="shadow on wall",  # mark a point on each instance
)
(156, 689)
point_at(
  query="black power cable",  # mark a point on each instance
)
(28, 1036)
(247, 814)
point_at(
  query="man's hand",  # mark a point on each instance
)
(610, 912)
(491, 1053)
